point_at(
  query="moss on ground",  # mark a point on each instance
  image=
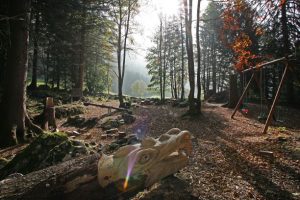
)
(69, 110)
(46, 150)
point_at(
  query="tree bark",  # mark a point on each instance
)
(175, 80)
(165, 64)
(160, 59)
(182, 59)
(12, 119)
(233, 91)
(33, 84)
(286, 51)
(82, 53)
(213, 61)
(189, 44)
(198, 107)
(119, 51)
(75, 179)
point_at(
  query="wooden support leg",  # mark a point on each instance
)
(243, 95)
(275, 100)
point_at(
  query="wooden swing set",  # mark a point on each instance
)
(253, 70)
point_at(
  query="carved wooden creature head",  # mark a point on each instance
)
(153, 160)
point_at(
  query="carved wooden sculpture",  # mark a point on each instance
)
(146, 163)
(131, 168)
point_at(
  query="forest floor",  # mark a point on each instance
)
(231, 159)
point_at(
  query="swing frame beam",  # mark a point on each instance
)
(253, 76)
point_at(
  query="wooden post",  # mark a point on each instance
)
(243, 95)
(49, 114)
(275, 99)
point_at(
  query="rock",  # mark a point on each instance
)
(282, 139)
(183, 104)
(67, 157)
(15, 175)
(3, 162)
(68, 110)
(109, 123)
(114, 146)
(46, 150)
(112, 131)
(110, 136)
(128, 140)
(132, 139)
(135, 105)
(103, 137)
(128, 118)
(121, 135)
(266, 153)
(126, 105)
(146, 102)
(93, 143)
(78, 143)
(75, 133)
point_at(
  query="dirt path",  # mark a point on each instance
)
(227, 162)
(231, 159)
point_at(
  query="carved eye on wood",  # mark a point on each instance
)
(144, 159)
(146, 156)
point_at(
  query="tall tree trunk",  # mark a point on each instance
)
(57, 75)
(182, 59)
(208, 62)
(191, 70)
(175, 79)
(213, 62)
(199, 59)
(165, 67)
(160, 60)
(286, 49)
(33, 84)
(172, 81)
(47, 67)
(12, 119)
(121, 69)
(119, 51)
(233, 91)
(204, 73)
(81, 55)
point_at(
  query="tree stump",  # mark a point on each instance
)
(49, 114)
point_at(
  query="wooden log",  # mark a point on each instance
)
(75, 179)
(257, 67)
(105, 106)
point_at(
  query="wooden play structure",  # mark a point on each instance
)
(258, 68)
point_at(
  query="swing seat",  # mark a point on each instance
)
(245, 110)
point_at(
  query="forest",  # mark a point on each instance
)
(150, 99)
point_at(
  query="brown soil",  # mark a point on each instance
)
(231, 159)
